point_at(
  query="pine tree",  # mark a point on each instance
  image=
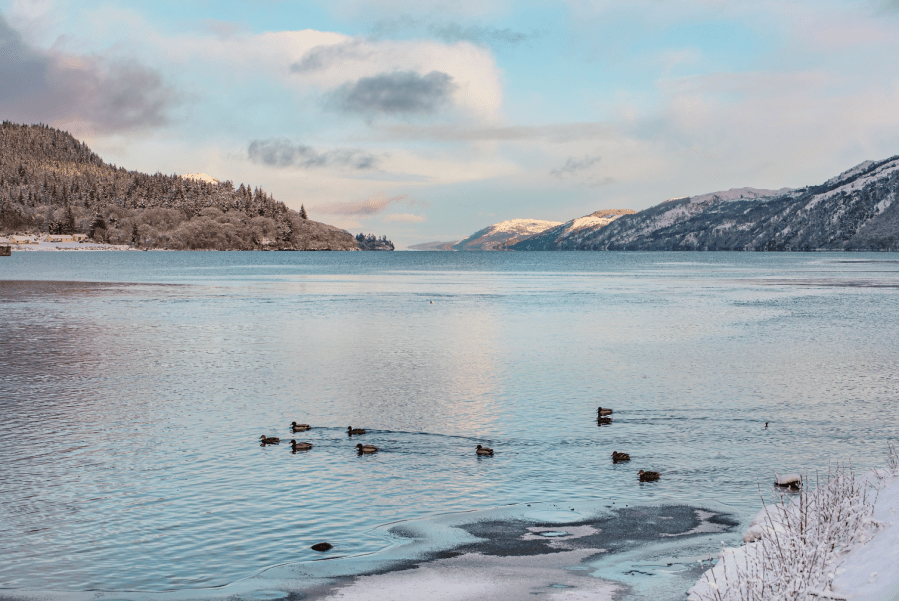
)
(303, 212)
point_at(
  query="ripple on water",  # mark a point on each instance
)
(131, 412)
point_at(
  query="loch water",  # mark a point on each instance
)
(134, 388)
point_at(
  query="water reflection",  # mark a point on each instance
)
(132, 411)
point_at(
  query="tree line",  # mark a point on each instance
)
(51, 182)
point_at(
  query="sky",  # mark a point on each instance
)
(428, 120)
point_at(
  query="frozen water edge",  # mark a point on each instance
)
(548, 551)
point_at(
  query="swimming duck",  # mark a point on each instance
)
(616, 457)
(300, 446)
(269, 439)
(484, 451)
(299, 427)
(366, 448)
(350, 430)
(648, 476)
(321, 546)
(601, 412)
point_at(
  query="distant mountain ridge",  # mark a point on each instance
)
(569, 234)
(498, 235)
(856, 210)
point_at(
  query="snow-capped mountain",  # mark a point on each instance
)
(567, 235)
(499, 235)
(855, 210)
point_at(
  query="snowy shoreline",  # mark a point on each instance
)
(839, 541)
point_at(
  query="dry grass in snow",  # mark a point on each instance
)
(795, 545)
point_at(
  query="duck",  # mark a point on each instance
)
(366, 448)
(350, 430)
(616, 457)
(648, 476)
(269, 439)
(484, 451)
(300, 446)
(601, 412)
(299, 427)
(322, 547)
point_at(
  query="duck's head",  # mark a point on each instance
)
(640, 473)
(480, 447)
(348, 428)
(359, 446)
(294, 424)
(293, 442)
(262, 437)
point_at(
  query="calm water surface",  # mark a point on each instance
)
(134, 387)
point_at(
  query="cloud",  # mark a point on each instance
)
(558, 133)
(369, 206)
(406, 217)
(401, 92)
(281, 152)
(575, 166)
(323, 56)
(104, 95)
(452, 32)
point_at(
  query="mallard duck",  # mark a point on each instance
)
(601, 412)
(484, 451)
(299, 427)
(366, 448)
(269, 439)
(648, 476)
(616, 457)
(350, 430)
(300, 446)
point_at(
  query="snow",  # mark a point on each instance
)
(735, 194)
(476, 577)
(787, 479)
(861, 564)
(590, 221)
(871, 572)
(201, 177)
(849, 173)
(884, 171)
(523, 226)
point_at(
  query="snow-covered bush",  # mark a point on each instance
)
(794, 544)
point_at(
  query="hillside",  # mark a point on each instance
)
(499, 235)
(567, 236)
(855, 210)
(436, 245)
(51, 182)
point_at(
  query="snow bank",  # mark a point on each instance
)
(839, 541)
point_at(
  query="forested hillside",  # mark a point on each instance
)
(51, 182)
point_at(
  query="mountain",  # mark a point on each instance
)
(433, 246)
(49, 181)
(567, 236)
(499, 235)
(855, 210)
